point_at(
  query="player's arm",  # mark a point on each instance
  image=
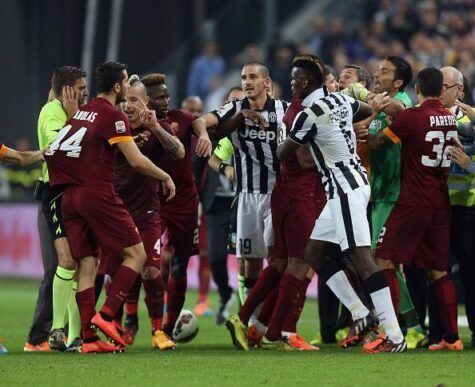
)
(143, 165)
(203, 145)
(462, 159)
(303, 129)
(22, 158)
(305, 158)
(467, 109)
(170, 143)
(223, 151)
(359, 92)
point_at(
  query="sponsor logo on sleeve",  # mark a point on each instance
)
(120, 127)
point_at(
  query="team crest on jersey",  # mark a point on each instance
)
(120, 127)
(175, 126)
(272, 117)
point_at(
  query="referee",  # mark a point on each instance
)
(69, 91)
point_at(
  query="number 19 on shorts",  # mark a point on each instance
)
(245, 246)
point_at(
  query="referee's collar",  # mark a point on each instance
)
(268, 106)
(314, 95)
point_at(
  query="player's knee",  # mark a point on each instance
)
(253, 267)
(279, 264)
(150, 272)
(65, 258)
(435, 275)
(297, 267)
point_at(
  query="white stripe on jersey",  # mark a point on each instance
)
(255, 149)
(326, 127)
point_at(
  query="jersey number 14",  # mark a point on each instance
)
(442, 152)
(71, 145)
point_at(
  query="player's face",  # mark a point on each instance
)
(123, 88)
(194, 107)
(80, 89)
(159, 100)
(253, 82)
(330, 83)
(347, 77)
(298, 82)
(134, 104)
(451, 90)
(384, 78)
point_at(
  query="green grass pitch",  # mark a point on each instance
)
(210, 359)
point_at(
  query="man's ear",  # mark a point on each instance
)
(397, 84)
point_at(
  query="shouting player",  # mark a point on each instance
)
(179, 217)
(94, 215)
(326, 128)
(418, 228)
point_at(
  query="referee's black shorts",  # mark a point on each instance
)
(51, 205)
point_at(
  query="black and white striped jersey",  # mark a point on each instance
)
(255, 149)
(327, 129)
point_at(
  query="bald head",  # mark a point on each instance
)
(453, 86)
(194, 105)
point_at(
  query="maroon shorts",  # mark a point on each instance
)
(293, 221)
(180, 229)
(149, 231)
(94, 219)
(416, 235)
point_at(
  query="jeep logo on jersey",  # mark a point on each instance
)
(261, 135)
(120, 127)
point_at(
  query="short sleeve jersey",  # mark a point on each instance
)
(84, 150)
(140, 192)
(3, 151)
(425, 132)
(181, 171)
(326, 128)
(386, 163)
(51, 120)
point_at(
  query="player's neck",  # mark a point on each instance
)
(423, 99)
(258, 103)
(135, 124)
(392, 93)
(112, 97)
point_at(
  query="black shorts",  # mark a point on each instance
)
(51, 204)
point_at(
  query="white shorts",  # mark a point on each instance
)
(254, 225)
(343, 220)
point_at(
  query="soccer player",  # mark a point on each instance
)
(418, 228)
(143, 205)
(69, 90)
(80, 160)
(297, 199)
(392, 76)
(326, 129)
(462, 192)
(353, 73)
(179, 217)
(22, 158)
(254, 137)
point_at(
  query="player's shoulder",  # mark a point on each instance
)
(181, 115)
(53, 108)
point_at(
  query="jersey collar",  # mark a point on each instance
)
(314, 95)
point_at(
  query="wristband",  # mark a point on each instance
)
(222, 169)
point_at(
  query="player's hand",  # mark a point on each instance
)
(140, 139)
(361, 130)
(229, 173)
(203, 146)
(169, 189)
(254, 116)
(460, 157)
(379, 102)
(149, 119)
(467, 109)
(70, 100)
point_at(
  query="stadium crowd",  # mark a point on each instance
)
(296, 165)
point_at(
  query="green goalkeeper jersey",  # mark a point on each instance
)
(386, 162)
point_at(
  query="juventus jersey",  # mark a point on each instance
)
(327, 129)
(255, 149)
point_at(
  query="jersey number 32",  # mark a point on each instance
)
(441, 151)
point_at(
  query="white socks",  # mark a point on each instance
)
(342, 288)
(383, 305)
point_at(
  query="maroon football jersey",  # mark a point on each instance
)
(181, 171)
(426, 133)
(292, 179)
(84, 152)
(139, 192)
